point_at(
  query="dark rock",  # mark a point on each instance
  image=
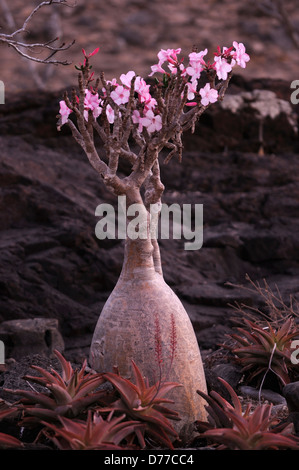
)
(291, 394)
(53, 266)
(34, 335)
(263, 394)
(294, 418)
(231, 373)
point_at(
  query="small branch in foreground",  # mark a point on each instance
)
(25, 49)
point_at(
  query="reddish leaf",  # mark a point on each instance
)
(7, 441)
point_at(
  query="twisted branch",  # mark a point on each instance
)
(276, 9)
(24, 48)
(125, 140)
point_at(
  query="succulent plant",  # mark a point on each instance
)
(6, 410)
(95, 433)
(145, 403)
(232, 428)
(68, 394)
(7, 441)
(263, 348)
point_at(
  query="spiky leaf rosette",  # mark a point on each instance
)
(261, 348)
(6, 412)
(95, 433)
(232, 428)
(8, 442)
(146, 404)
(68, 394)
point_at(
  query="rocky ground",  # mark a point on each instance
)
(130, 33)
(52, 266)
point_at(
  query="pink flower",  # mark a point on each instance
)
(142, 89)
(92, 102)
(196, 64)
(169, 54)
(196, 57)
(110, 114)
(226, 52)
(194, 70)
(127, 79)
(208, 95)
(153, 122)
(156, 68)
(192, 88)
(120, 95)
(173, 69)
(64, 112)
(112, 82)
(137, 119)
(150, 103)
(222, 67)
(240, 54)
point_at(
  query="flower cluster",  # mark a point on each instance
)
(147, 114)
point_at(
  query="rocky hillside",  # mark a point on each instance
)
(53, 266)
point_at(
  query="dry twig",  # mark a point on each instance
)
(276, 9)
(26, 49)
(278, 311)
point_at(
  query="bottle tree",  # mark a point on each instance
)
(143, 319)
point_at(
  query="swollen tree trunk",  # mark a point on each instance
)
(127, 329)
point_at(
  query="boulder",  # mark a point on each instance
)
(31, 336)
(291, 394)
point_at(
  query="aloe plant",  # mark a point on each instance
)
(68, 394)
(262, 348)
(7, 441)
(147, 404)
(6, 410)
(232, 428)
(95, 433)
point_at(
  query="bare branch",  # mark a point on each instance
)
(276, 9)
(17, 47)
(38, 7)
(123, 121)
(153, 186)
(26, 49)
